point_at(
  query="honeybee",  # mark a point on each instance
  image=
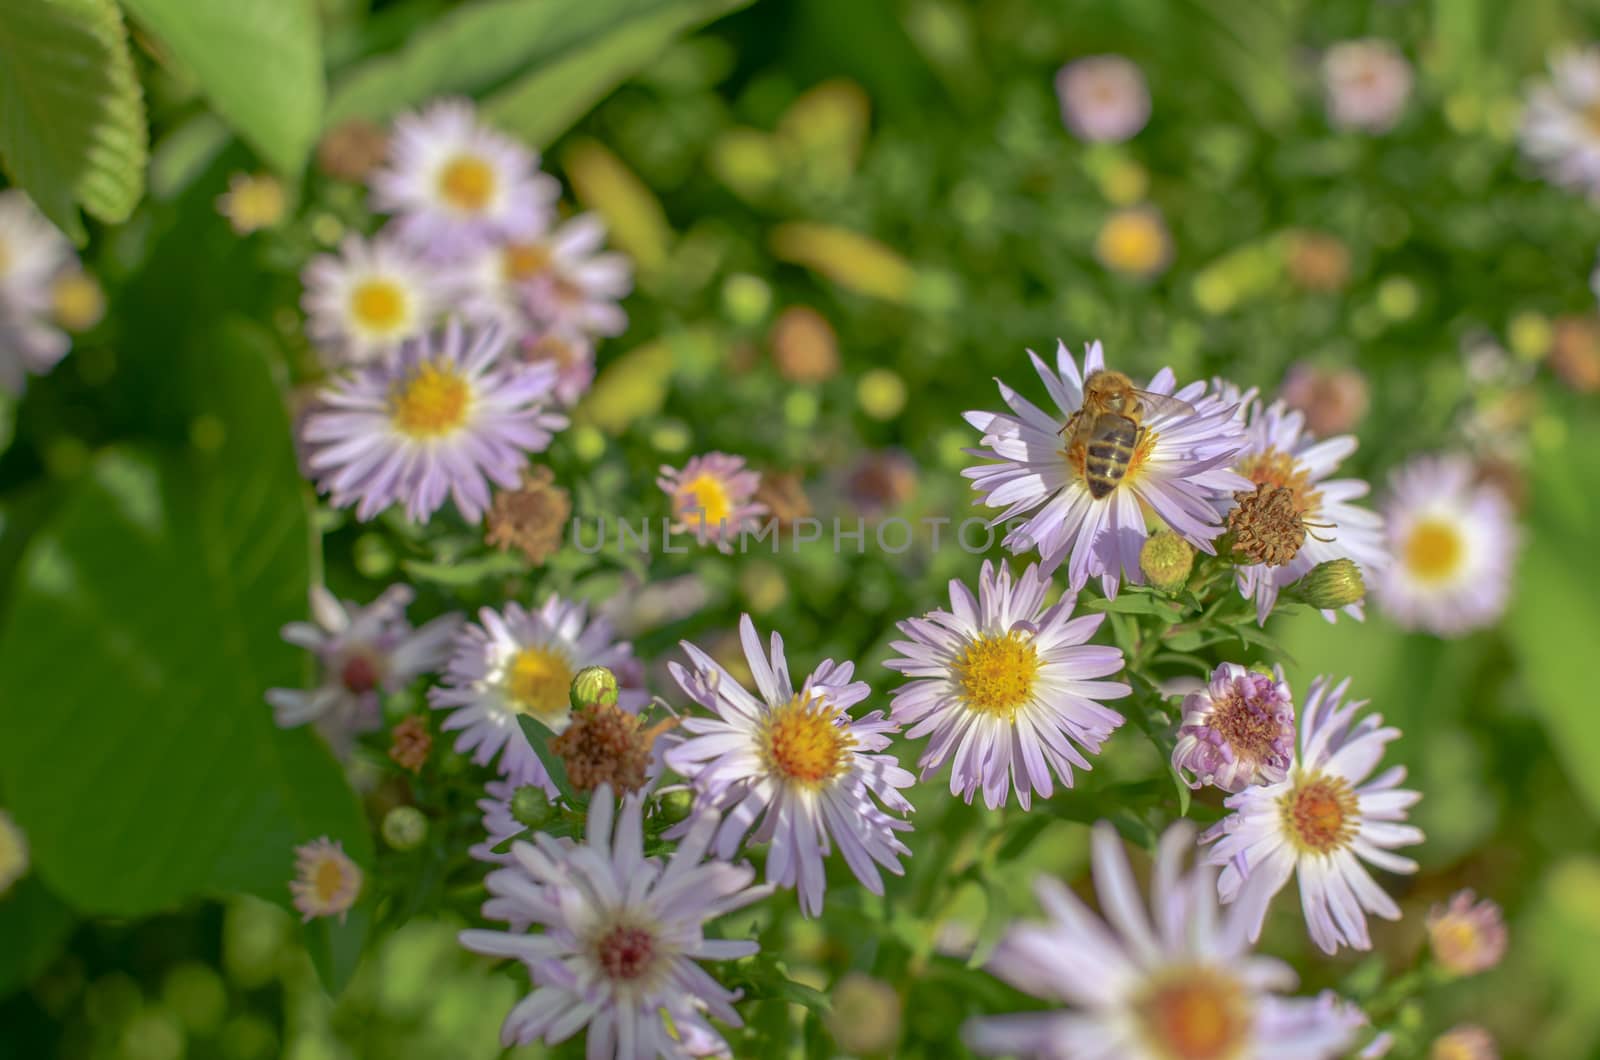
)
(1103, 435)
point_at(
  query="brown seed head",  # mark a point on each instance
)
(604, 744)
(804, 346)
(531, 517)
(352, 149)
(410, 743)
(1266, 525)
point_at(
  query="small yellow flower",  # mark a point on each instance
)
(1134, 242)
(252, 203)
(77, 301)
(327, 882)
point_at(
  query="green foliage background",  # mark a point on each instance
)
(155, 533)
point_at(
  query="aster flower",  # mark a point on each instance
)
(518, 662)
(572, 354)
(1333, 400)
(29, 345)
(621, 935)
(1559, 132)
(13, 853)
(1006, 687)
(1280, 454)
(252, 202)
(499, 823)
(1177, 981)
(1179, 468)
(1467, 1041)
(442, 417)
(1453, 543)
(33, 254)
(1103, 98)
(327, 882)
(793, 764)
(458, 185)
(1367, 84)
(360, 652)
(363, 302)
(1321, 824)
(712, 497)
(551, 279)
(1236, 731)
(1467, 936)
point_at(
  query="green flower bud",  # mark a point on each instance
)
(1166, 560)
(674, 806)
(531, 806)
(1336, 583)
(594, 684)
(404, 828)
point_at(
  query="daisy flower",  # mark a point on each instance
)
(13, 853)
(1236, 731)
(1467, 936)
(252, 202)
(363, 302)
(1103, 98)
(793, 764)
(457, 185)
(29, 345)
(1367, 84)
(499, 823)
(621, 935)
(712, 497)
(1561, 122)
(1006, 687)
(572, 354)
(518, 662)
(327, 882)
(360, 652)
(1320, 824)
(1180, 466)
(1453, 543)
(552, 279)
(443, 417)
(1177, 981)
(1280, 454)
(32, 251)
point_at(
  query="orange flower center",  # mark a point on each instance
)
(803, 742)
(467, 183)
(1434, 550)
(1196, 1014)
(997, 673)
(432, 402)
(524, 261)
(1321, 813)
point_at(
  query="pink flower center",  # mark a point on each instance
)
(360, 674)
(625, 953)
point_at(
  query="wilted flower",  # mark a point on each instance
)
(1320, 823)
(712, 497)
(620, 935)
(1333, 400)
(1134, 241)
(253, 202)
(880, 480)
(352, 149)
(1180, 467)
(1236, 731)
(13, 853)
(1318, 261)
(363, 302)
(1006, 688)
(1559, 132)
(1367, 84)
(1103, 98)
(410, 742)
(532, 517)
(1575, 351)
(1175, 981)
(1465, 1042)
(1453, 542)
(793, 764)
(804, 346)
(441, 419)
(538, 280)
(327, 882)
(783, 494)
(1467, 936)
(604, 744)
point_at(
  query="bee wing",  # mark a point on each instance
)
(1164, 404)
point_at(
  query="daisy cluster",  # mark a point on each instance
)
(43, 290)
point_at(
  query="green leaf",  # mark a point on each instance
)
(539, 735)
(72, 127)
(586, 47)
(259, 62)
(1129, 603)
(35, 925)
(135, 746)
(335, 946)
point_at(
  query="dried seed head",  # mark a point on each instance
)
(352, 149)
(605, 745)
(410, 742)
(531, 517)
(1267, 526)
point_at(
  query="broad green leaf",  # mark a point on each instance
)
(335, 946)
(486, 45)
(35, 925)
(259, 62)
(539, 735)
(72, 127)
(135, 747)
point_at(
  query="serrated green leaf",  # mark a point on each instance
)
(72, 125)
(259, 63)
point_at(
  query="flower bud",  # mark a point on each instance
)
(531, 807)
(404, 828)
(1166, 560)
(594, 684)
(675, 805)
(1333, 584)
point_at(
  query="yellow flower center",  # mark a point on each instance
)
(327, 879)
(705, 497)
(1196, 1014)
(467, 183)
(432, 402)
(802, 741)
(1434, 550)
(540, 679)
(1320, 814)
(379, 305)
(1132, 241)
(997, 673)
(524, 261)
(77, 301)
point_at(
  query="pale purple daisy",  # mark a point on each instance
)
(541, 279)
(1467, 936)
(1453, 540)
(441, 418)
(1006, 687)
(1103, 98)
(326, 881)
(517, 662)
(33, 255)
(1179, 468)
(1280, 453)
(363, 302)
(361, 652)
(1367, 83)
(1236, 731)
(713, 497)
(1321, 823)
(572, 353)
(457, 185)
(499, 824)
(1178, 980)
(1561, 122)
(621, 935)
(793, 764)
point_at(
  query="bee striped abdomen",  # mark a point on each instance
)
(1110, 451)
